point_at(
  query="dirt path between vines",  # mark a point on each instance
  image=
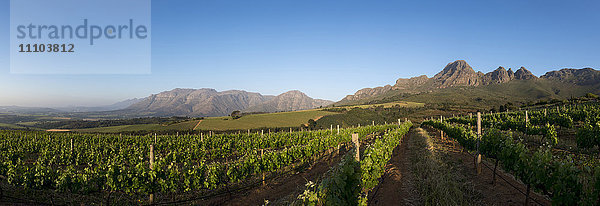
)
(199, 121)
(400, 183)
(395, 187)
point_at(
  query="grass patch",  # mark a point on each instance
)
(254, 121)
(271, 120)
(437, 181)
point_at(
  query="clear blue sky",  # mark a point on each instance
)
(327, 49)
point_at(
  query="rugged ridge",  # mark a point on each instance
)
(411, 83)
(368, 92)
(289, 101)
(460, 73)
(585, 76)
(210, 102)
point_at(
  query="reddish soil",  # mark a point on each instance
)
(199, 121)
(394, 188)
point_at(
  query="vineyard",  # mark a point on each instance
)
(140, 166)
(552, 150)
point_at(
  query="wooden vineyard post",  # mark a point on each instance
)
(269, 131)
(526, 118)
(71, 146)
(358, 125)
(154, 138)
(210, 133)
(373, 123)
(338, 128)
(331, 128)
(357, 146)
(262, 132)
(248, 132)
(527, 195)
(442, 134)
(478, 158)
(399, 122)
(478, 163)
(263, 174)
(545, 112)
(470, 115)
(495, 167)
(290, 130)
(405, 119)
(152, 168)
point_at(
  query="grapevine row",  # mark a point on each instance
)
(349, 182)
(562, 179)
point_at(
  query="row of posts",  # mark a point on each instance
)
(477, 158)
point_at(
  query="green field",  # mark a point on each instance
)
(271, 120)
(189, 125)
(11, 126)
(281, 119)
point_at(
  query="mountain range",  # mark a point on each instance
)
(553, 84)
(210, 102)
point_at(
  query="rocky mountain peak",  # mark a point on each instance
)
(499, 75)
(511, 74)
(457, 73)
(524, 74)
(293, 93)
(458, 66)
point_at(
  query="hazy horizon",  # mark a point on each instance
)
(325, 49)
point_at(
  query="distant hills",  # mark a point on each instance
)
(116, 106)
(67, 109)
(210, 102)
(459, 83)
(185, 102)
